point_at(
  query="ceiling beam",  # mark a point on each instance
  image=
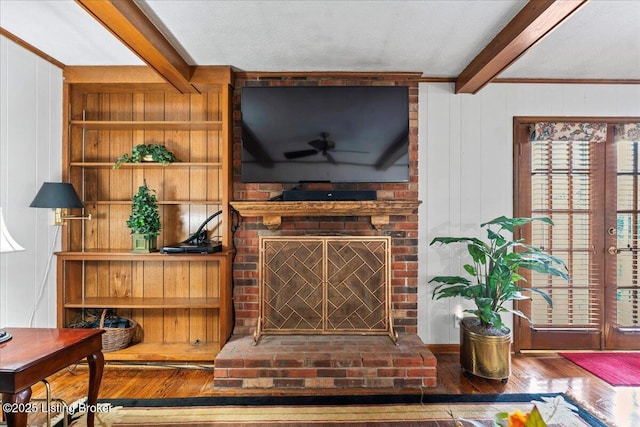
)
(125, 20)
(536, 19)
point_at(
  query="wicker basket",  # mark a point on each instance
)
(116, 338)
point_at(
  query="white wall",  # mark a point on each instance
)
(30, 153)
(465, 168)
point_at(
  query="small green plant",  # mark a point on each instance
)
(494, 270)
(158, 153)
(144, 218)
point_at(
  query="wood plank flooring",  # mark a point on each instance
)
(531, 373)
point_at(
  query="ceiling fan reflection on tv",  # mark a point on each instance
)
(322, 146)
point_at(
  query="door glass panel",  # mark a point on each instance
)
(628, 221)
(627, 312)
(561, 191)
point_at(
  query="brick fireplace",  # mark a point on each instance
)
(408, 363)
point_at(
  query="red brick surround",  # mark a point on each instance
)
(402, 228)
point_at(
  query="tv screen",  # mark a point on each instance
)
(325, 134)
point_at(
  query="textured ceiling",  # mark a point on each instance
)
(436, 38)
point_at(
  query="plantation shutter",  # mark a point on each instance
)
(563, 171)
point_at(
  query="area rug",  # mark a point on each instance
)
(355, 411)
(618, 369)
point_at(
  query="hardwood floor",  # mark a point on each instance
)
(531, 373)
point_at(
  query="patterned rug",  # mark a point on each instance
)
(356, 411)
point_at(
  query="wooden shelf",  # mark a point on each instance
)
(109, 165)
(160, 203)
(273, 211)
(135, 302)
(146, 125)
(196, 352)
(124, 255)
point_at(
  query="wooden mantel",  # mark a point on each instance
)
(273, 211)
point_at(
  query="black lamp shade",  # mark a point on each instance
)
(56, 195)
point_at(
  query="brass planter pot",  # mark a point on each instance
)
(485, 356)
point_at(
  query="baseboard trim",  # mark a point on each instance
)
(444, 348)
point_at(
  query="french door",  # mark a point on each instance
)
(585, 176)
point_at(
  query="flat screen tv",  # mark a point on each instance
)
(325, 134)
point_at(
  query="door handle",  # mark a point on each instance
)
(615, 251)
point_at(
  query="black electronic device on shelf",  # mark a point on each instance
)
(197, 243)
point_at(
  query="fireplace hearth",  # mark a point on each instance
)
(325, 362)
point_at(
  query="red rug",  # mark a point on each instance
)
(614, 368)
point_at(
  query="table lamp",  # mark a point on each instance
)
(7, 244)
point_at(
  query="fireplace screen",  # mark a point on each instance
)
(325, 285)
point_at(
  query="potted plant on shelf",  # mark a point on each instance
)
(144, 220)
(147, 153)
(485, 342)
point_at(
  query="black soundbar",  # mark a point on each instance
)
(322, 195)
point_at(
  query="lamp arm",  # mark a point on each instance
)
(59, 218)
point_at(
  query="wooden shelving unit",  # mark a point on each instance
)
(182, 303)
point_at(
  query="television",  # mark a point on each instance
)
(332, 134)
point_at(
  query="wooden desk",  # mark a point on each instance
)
(36, 353)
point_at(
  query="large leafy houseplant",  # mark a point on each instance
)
(494, 270)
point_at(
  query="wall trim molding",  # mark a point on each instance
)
(283, 75)
(31, 48)
(444, 348)
(569, 81)
(524, 80)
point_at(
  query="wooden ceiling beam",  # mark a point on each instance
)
(125, 20)
(536, 19)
